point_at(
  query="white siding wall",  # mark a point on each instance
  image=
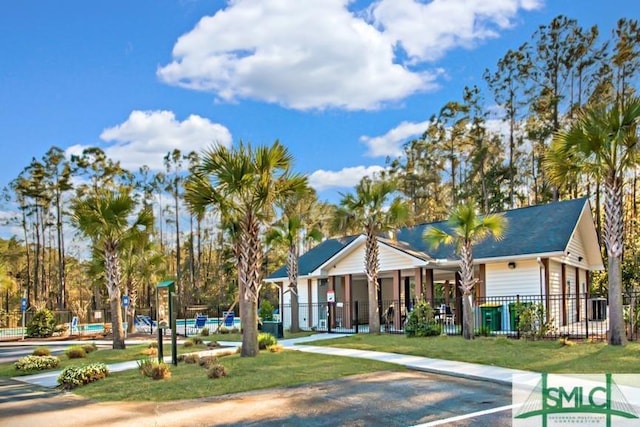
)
(522, 280)
(353, 263)
(555, 288)
(390, 260)
(571, 294)
(576, 250)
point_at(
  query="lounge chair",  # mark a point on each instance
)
(199, 323)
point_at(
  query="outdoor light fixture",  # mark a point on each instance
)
(579, 259)
(512, 265)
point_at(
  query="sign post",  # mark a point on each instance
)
(125, 304)
(164, 292)
(23, 309)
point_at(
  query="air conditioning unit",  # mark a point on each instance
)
(322, 324)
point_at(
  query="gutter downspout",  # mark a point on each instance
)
(542, 276)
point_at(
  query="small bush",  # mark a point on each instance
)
(484, 331)
(223, 330)
(266, 340)
(207, 361)
(150, 351)
(41, 351)
(187, 343)
(276, 348)
(191, 358)
(153, 344)
(74, 376)
(197, 340)
(216, 371)
(566, 342)
(204, 332)
(213, 344)
(266, 311)
(160, 371)
(154, 369)
(89, 348)
(76, 352)
(42, 325)
(235, 330)
(421, 322)
(37, 363)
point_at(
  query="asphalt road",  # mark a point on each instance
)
(378, 399)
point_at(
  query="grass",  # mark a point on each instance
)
(238, 337)
(536, 356)
(267, 370)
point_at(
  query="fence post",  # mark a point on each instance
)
(329, 318)
(586, 315)
(517, 316)
(357, 316)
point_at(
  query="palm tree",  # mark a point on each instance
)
(105, 218)
(368, 209)
(603, 142)
(466, 230)
(244, 184)
(291, 231)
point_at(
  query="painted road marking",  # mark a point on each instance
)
(467, 416)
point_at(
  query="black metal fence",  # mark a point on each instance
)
(576, 316)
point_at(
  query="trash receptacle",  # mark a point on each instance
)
(273, 328)
(491, 316)
(598, 308)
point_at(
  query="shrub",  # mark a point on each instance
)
(204, 332)
(223, 330)
(208, 361)
(216, 371)
(154, 369)
(89, 348)
(74, 376)
(213, 344)
(191, 358)
(484, 331)
(188, 343)
(421, 322)
(532, 322)
(266, 310)
(150, 351)
(42, 325)
(266, 340)
(276, 348)
(41, 351)
(235, 330)
(76, 352)
(566, 342)
(153, 344)
(197, 340)
(37, 363)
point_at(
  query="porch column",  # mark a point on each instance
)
(563, 281)
(481, 287)
(428, 282)
(332, 307)
(458, 294)
(348, 302)
(417, 274)
(397, 303)
(545, 262)
(309, 305)
(577, 288)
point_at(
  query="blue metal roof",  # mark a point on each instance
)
(531, 230)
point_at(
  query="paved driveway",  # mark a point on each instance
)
(378, 399)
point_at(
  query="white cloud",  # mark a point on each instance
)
(390, 144)
(147, 136)
(427, 30)
(311, 54)
(317, 54)
(346, 178)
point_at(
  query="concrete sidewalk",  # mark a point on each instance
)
(444, 367)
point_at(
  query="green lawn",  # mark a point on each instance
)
(537, 356)
(267, 370)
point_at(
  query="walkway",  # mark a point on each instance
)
(473, 371)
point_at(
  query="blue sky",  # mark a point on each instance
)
(341, 83)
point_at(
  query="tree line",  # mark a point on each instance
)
(491, 147)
